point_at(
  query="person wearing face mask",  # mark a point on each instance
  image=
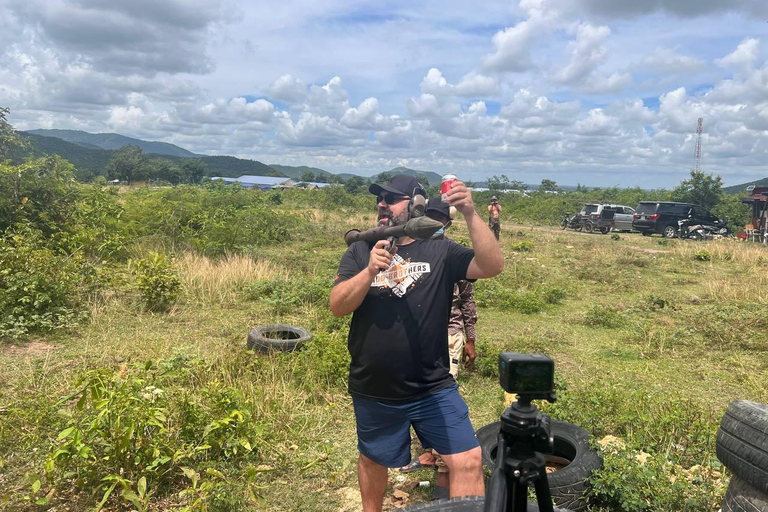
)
(461, 344)
(399, 372)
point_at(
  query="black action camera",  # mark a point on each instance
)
(529, 375)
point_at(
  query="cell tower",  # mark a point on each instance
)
(697, 149)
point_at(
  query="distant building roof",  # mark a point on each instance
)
(261, 180)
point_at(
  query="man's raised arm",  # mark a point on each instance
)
(488, 260)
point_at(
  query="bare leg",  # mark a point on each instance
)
(372, 478)
(465, 473)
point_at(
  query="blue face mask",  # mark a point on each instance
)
(439, 232)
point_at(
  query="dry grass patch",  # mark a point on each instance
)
(218, 280)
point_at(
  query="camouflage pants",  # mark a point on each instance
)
(495, 226)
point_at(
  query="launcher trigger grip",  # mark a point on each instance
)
(391, 244)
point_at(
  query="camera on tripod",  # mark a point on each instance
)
(524, 435)
(529, 375)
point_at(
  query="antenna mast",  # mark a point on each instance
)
(697, 149)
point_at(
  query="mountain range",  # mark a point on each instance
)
(92, 152)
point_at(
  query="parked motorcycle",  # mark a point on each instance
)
(571, 221)
(691, 231)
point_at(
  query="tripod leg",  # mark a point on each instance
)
(543, 496)
(519, 496)
(496, 494)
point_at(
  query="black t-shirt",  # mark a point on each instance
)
(398, 338)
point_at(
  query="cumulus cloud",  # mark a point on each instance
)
(140, 37)
(529, 110)
(664, 60)
(513, 45)
(744, 56)
(587, 55)
(288, 88)
(472, 85)
(681, 8)
(475, 85)
(235, 111)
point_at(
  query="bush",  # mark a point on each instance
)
(604, 316)
(157, 281)
(40, 290)
(703, 255)
(127, 439)
(636, 481)
(523, 246)
(615, 236)
(324, 362)
(285, 296)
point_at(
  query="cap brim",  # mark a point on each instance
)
(377, 188)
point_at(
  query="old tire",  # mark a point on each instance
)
(568, 485)
(742, 442)
(669, 232)
(589, 227)
(280, 337)
(742, 497)
(468, 504)
(605, 230)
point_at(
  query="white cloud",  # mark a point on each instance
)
(744, 56)
(664, 60)
(555, 79)
(288, 88)
(475, 85)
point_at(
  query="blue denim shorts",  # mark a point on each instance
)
(440, 420)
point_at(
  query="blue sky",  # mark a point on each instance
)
(578, 91)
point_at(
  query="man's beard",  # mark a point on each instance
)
(393, 220)
(399, 220)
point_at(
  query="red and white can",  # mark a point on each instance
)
(445, 186)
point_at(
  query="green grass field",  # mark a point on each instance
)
(651, 340)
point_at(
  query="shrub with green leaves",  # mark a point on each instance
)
(633, 480)
(604, 316)
(40, 290)
(129, 441)
(157, 281)
(703, 255)
(286, 295)
(523, 246)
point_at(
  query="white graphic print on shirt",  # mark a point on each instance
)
(400, 275)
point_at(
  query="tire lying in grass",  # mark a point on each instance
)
(573, 460)
(742, 442)
(279, 337)
(742, 497)
(468, 504)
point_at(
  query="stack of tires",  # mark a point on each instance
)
(742, 446)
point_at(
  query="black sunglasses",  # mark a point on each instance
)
(390, 198)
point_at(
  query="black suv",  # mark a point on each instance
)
(662, 216)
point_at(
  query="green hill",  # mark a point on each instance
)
(296, 172)
(114, 141)
(739, 189)
(231, 167)
(90, 162)
(431, 178)
(83, 158)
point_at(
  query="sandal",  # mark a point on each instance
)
(416, 465)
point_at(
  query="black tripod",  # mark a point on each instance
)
(523, 437)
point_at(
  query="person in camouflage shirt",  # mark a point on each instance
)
(461, 345)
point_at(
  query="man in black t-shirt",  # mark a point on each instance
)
(398, 341)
